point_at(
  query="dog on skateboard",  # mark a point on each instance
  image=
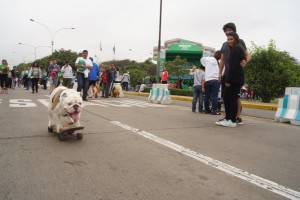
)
(64, 110)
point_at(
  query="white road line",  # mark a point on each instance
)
(142, 103)
(239, 173)
(131, 103)
(110, 104)
(45, 102)
(21, 103)
(90, 103)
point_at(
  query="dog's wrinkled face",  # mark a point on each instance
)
(72, 103)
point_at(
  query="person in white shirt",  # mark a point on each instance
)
(83, 65)
(212, 83)
(125, 80)
(68, 75)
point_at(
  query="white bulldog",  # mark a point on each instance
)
(64, 110)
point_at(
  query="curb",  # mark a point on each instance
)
(189, 99)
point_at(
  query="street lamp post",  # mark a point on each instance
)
(52, 36)
(32, 47)
(159, 38)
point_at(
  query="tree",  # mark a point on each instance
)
(137, 76)
(271, 71)
(138, 71)
(60, 55)
(176, 67)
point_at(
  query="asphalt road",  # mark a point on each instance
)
(132, 149)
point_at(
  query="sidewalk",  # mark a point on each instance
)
(255, 105)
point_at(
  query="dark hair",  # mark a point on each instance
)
(217, 55)
(202, 67)
(85, 51)
(91, 58)
(66, 62)
(33, 65)
(229, 25)
(235, 36)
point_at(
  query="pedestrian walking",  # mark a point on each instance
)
(53, 71)
(14, 77)
(83, 65)
(26, 78)
(113, 72)
(93, 78)
(44, 78)
(35, 74)
(125, 80)
(4, 70)
(67, 75)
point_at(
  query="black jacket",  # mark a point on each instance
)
(236, 71)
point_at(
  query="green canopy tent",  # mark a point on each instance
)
(186, 50)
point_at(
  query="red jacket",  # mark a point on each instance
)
(104, 77)
(164, 76)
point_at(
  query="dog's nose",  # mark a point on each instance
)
(75, 107)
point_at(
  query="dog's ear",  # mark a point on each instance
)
(64, 94)
(56, 99)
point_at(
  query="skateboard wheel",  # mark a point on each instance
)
(79, 136)
(50, 130)
(61, 137)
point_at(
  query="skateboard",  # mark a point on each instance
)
(69, 132)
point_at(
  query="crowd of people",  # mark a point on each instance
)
(91, 78)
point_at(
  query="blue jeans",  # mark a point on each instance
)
(83, 83)
(125, 85)
(212, 89)
(197, 94)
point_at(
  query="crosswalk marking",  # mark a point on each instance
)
(140, 103)
(89, 103)
(124, 103)
(111, 103)
(45, 102)
(21, 103)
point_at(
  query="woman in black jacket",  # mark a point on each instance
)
(235, 78)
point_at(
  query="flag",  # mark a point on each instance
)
(100, 47)
(114, 49)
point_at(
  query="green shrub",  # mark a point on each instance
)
(147, 89)
(181, 92)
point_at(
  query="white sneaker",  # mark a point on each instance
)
(219, 123)
(229, 123)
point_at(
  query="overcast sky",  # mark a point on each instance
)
(133, 24)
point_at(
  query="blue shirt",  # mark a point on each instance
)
(94, 73)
